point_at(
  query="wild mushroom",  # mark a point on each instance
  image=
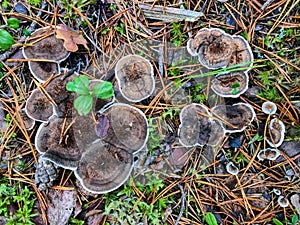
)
(275, 133)
(276, 191)
(232, 169)
(269, 108)
(242, 53)
(230, 84)
(295, 201)
(217, 133)
(283, 201)
(28, 122)
(104, 167)
(56, 142)
(42, 71)
(124, 126)
(269, 154)
(213, 47)
(194, 126)
(234, 118)
(38, 107)
(44, 45)
(135, 77)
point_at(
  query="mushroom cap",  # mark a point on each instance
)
(43, 44)
(283, 201)
(42, 71)
(275, 134)
(217, 133)
(28, 122)
(104, 167)
(242, 53)
(194, 126)
(213, 47)
(56, 147)
(238, 115)
(127, 128)
(232, 169)
(135, 77)
(269, 108)
(38, 106)
(223, 84)
(269, 154)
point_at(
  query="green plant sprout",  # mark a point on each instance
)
(6, 40)
(210, 219)
(294, 221)
(84, 102)
(257, 137)
(235, 88)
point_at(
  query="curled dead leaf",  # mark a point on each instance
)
(70, 37)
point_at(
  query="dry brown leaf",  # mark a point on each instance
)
(70, 37)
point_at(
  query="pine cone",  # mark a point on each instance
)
(46, 172)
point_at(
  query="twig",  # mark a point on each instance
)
(182, 204)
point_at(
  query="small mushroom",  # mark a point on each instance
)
(38, 107)
(234, 118)
(56, 142)
(194, 126)
(104, 167)
(232, 169)
(43, 44)
(242, 53)
(269, 154)
(230, 84)
(283, 201)
(269, 108)
(42, 71)
(124, 126)
(28, 122)
(135, 77)
(275, 133)
(276, 191)
(213, 47)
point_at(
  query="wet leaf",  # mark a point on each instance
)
(61, 206)
(70, 37)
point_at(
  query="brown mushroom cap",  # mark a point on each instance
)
(42, 71)
(57, 143)
(222, 84)
(275, 133)
(28, 122)
(135, 77)
(234, 118)
(44, 45)
(217, 133)
(128, 127)
(213, 46)
(38, 106)
(269, 108)
(104, 167)
(269, 154)
(194, 126)
(242, 53)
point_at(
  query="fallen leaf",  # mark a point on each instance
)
(70, 37)
(61, 206)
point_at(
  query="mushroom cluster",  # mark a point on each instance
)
(44, 52)
(216, 49)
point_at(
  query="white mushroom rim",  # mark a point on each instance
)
(102, 111)
(232, 169)
(151, 77)
(283, 201)
(31, 117)
(263, 154)
(231, 95)
(37, 77)
(282, 132)
(269, 108)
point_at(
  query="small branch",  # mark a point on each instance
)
(182, 205)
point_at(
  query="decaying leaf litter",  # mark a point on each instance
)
(249, 176)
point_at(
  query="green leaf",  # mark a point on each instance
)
(211, 219)
(277, 222)
(6, 40)
(295, 219)
(103, 90)
(236, 85)
(83, 104)
(80, 85)
(26, 33)
(13, 23)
